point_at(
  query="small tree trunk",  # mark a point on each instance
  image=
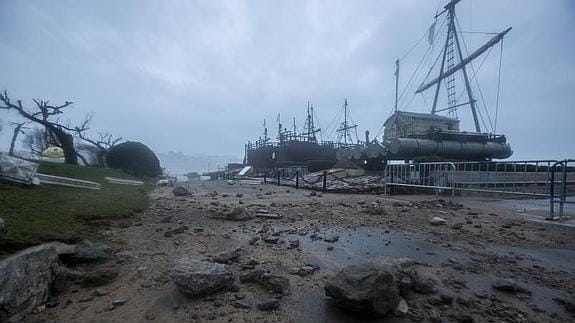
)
(14, 136)
(67, 142)
(101, 156)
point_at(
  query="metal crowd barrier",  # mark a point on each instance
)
(559, 196)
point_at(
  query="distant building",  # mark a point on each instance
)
(403, 124)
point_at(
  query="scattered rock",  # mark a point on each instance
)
(422, 281)
(269, 215)
(437, 221)
(482, 293)
(434, 316)
(180, 191)
(239, 296)
(293, 244)
(125, 257)
(194, 277)
(253, 240)
(239, 195)
(446, 298)
(100, 292)
(271, 240)
(268, 305)
(180, 230)
(367, 289)
(509, 285)
(166, 219)
(150, 317)
(119, 302)
(401, 309)
(227, 257)
(457, 226)
(86, 299)
(241, 304)
(333, 238)
(236, 214)
(272, 283)
(303, 271)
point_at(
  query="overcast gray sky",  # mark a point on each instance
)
(200, 76)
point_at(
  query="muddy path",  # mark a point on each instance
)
(327, 231)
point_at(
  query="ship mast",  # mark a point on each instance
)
(345, 127)
(309, 125)
(452, 44)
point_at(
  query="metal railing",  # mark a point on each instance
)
(534, 178)
(549, 179)
(528, 178)
(437, 176)
(559, 196)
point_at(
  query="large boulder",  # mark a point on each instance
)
(370, 289)
(180, 191)
(25, 280)
(134, 158)
(195, 277)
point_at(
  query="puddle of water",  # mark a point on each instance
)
(362, 245)
(536, 210)
(554, 259)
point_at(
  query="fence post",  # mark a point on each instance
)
(552, 192)
(324, 181)
(279, 177)
(563, 189)
(265, 177)
(297, 179)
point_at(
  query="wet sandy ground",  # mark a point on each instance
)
(480, 242)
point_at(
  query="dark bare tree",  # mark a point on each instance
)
(102, 142)
(35, 141)
(18, 129)
(54, 128)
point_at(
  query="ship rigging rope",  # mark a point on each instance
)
(427, 75)
(476, 81)
(474, 78)
(417, 70)
(334, 124)
(423, 59)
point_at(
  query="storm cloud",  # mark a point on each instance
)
(201, 76)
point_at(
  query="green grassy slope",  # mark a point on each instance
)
(44, 213)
